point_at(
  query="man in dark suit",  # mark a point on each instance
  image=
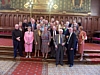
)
(25, 25)
(17, 43)
(41, 18)
(71, 46)
(53, 32)
(32, 24)
(59, 45)
(66, 32)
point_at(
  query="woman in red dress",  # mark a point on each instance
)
(81, 41)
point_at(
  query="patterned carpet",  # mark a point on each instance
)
(28, 68)
(39, 68)
(75, 70)
(5, 66)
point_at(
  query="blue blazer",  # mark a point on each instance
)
(66, 32)
(35, 25)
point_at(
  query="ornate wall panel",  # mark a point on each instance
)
(83, 6)
(90, 23)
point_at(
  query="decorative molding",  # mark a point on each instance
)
(27, 12)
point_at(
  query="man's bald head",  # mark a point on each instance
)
(60, 31)
(16, 26)
(54, 28)
(32, 20)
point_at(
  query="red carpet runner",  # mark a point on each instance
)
(6, 42)
(28, 68)
(88, 46)
(92, 46)
(30, 59)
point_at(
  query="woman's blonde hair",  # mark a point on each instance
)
(81, 27)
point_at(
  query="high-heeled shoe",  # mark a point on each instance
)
(43, 57)
(34, 55)
(46, 57)
(29, 56)
(38, 56)
(81, 59)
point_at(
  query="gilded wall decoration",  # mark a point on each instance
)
(82, 6)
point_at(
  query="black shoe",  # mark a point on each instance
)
(51, 57)
(14, 57)
(61, 64)
(56, 65)
(70, 65)
(21, 56)
(67, 63)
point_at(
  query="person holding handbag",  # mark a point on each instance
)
(46, 38)
(37, 39)
(81, 41)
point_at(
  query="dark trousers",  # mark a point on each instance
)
(70, 55)
(33, 47)
(53, 52)
(17, 47)
(59, 54)
(75, 47)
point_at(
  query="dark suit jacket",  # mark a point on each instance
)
(24, 25)
(66, 32)
(51, 31)
(52, 41)
(72, 42)
(70, 24)
(35, 25)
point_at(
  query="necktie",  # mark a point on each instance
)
(32, 27)
(53, 33)
(39, 32)
(60, 39)
(69, 38)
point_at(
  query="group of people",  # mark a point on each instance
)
(54, 37)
